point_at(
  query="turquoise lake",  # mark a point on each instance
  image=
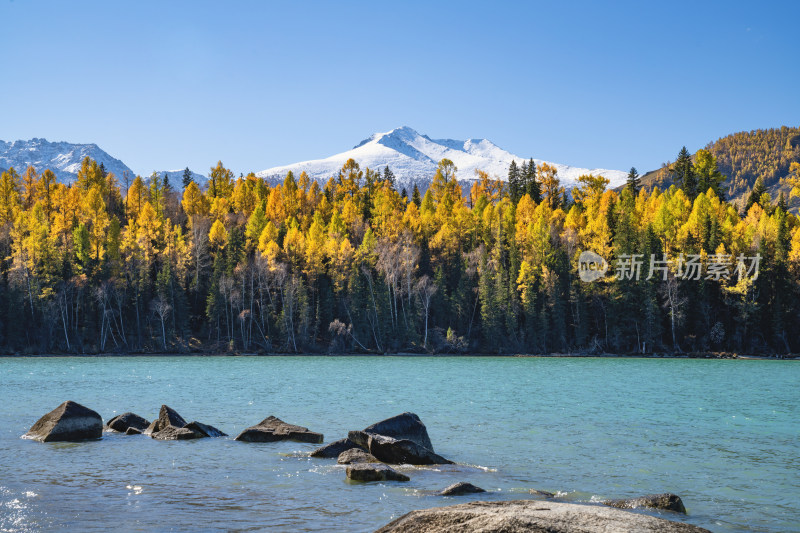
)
(722, 434)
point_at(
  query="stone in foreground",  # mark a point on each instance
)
(666, 501)
(374, 472)
(532, 516)
(460, 488)
(124, 421)
(356, 455)
(334, 449)
(405, 426)
(69, 421)
(274, 429)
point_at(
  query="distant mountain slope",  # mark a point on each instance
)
(413, 157)
(63, 158)
(744, 157)
(176, 178)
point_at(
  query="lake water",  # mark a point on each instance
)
(723, 435)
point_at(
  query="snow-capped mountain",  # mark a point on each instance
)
(63, 158)
(413, 158)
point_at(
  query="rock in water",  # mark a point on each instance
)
(69, 421)
(457, 489)
(356, 455)
(403, 451)
(666, 501)
(176, 433)
(532, 515)
(334, 449)
(171, 426)
(359, 438)
(124, 421)
(168, 416)
(406, 426)
(374, 472)
(152, 428)
(274, 429)
(205, 429)
(133, 431)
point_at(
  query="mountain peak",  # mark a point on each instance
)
(413, 157)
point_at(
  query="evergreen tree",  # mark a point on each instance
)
(415, 196)
(634, 182)
(755, 195)
(514, 186)
(684, 175)
(388, 175)
(187, 177)
(532, 186)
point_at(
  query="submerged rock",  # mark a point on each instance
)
(205, 429)
(176, 433)
(462, 487)
(405, 426)
(273, 429)
(532, 515)
(124, 421)
(374, 472)
(335, 449)
(133, 431)
(394, 451)
(70, 421)
(666, 501)
(356, 455)
(542, 493)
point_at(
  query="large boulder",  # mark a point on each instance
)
(355, 455)
(124, 421)
(274, 429)
(403, 451)
(406, 426)
(666, 502)
(374, 472)
(69, 421)
(532, 516)
(462, 487)
(335, 449)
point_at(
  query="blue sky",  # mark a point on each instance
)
(259, 84)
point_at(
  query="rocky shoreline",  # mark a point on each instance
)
(371, 455)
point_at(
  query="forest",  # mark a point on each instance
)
(113, 265)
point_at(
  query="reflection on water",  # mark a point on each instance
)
(722, 434)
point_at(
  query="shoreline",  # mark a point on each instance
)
(692, 355)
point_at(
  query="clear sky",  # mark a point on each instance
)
(165, 85)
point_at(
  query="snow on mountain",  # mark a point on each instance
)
(413, 159)
(63, 158)
(175, 178)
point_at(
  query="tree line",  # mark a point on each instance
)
(110, 264)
